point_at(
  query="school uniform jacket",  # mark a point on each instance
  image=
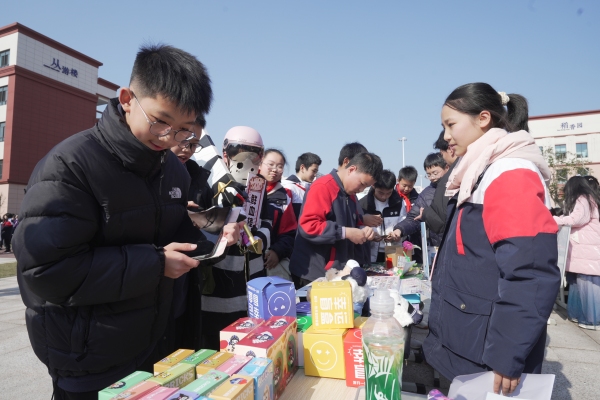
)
(319, 244)
(496, 278)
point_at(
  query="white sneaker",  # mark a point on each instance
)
(590, 327)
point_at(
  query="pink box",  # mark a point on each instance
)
(234, 364)
(232, 334)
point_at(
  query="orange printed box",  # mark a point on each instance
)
(355, 363)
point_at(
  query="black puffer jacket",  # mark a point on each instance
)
(97, 210)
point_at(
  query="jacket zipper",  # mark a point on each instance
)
(156, 197)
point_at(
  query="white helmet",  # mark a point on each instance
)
(244, 149)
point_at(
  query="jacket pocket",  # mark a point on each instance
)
(80, 330)
(464, 324)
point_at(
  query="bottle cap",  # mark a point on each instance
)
(382, 301)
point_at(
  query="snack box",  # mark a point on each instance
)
(237, 387)
(271, 296)
(177, 376)
(354, 361)
(331, 305)
(207, 382)
(303, 324)
(198, 357)
(261, 369)
(234, 364)
(324, 353)
(185, 395)
(171, 360)
(124, 384)
(267, 344)
(160, 393)
(290, 343)
(212, 362)
(303, 308)
(232, 334)
(136, 391)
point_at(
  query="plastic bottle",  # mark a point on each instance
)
(383, 349)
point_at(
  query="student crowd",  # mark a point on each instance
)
(105, 246)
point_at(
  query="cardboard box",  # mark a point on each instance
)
(207, 382)
(331, 305)
(212, 362)
(237, 387)
(124, 384)
(324, 353)
(271, 296)
(360, 321)
(303, 324)
(171, 360)
(290, 344)
(160, 393)
(177, 376)
(184, 394)
(232, 334)
(261, 369)
(353, 353)
(234, 364)
(136, 391)
(198, 357)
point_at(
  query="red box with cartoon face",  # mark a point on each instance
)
(231, 335)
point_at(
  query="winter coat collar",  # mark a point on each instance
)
(115, 135)
(394, 200)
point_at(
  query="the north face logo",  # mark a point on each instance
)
(175, 193)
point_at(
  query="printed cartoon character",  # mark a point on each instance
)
(117, 385)
(278, 384)
(181, 397)
(233, 341)
(238, 381)
(245, 325)
(250, 354)
(279, 323)
(267, 393)
(166, 360)
(263, 337)
(292, 349)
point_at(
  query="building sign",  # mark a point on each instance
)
(565, 126)
(58, 68)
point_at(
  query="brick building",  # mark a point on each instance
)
(48, 92)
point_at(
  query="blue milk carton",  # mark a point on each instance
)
(271, 296)
(261, 369)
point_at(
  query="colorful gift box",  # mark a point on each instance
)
(324, 353)
(261, 369)
(237, 387)
(137, 391)
(207, 382)
(185, 395)
(177, 376)
(353, 353)
(303, 324)
(198, 357)
(123, 384)
(331, 305)
(271, 296)
(234, 364)
(290, 343)
(171, 360)
(232, 334)
(212, 362)
(160, 393)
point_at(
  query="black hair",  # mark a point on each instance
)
(267, 151)
(367, 163)
(350, 150)
(387, 180)
(408, 173)
(434, 160)
(440, 143)
(174, 74)
(593, 182)
(307, 159)
(473, 98)
(576, 187)
(201, 122)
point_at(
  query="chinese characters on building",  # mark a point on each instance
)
(565, 126)
(62, 69)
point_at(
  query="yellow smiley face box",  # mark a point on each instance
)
(324, 353)
(331, 305)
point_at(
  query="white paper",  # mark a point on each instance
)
(477, 386)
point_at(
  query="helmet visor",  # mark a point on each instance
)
(233, 149)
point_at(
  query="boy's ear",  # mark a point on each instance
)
(126, 99)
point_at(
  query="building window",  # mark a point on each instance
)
(1, 162)
(560, 151)
(581, 150)
(4, 58)
(3, 95)
(2, 127)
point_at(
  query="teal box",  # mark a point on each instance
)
(261, 369)
(207, 382)
(197, 357)
(125, 383)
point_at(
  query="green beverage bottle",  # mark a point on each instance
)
(383, 349)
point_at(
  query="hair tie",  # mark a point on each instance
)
(504, 98)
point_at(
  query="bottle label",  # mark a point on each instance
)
(383, 372)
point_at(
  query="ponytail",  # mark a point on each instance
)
(517, 113)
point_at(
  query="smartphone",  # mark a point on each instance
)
(222, 220)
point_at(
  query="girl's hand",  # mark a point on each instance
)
(506, 383)
(271, 259)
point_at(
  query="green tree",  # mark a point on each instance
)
(563, 165)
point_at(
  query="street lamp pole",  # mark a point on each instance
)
(403, 139)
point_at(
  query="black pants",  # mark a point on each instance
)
(7, 239)
(60, 394)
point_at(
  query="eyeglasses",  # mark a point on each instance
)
(276, 167)
(192, 147)
(162, 129)
(434, 174)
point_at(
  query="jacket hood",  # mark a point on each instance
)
(115, 135)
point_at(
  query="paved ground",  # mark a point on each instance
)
(573, 355)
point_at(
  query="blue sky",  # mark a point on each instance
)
(314, 75)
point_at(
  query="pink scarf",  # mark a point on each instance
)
(492, 146)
